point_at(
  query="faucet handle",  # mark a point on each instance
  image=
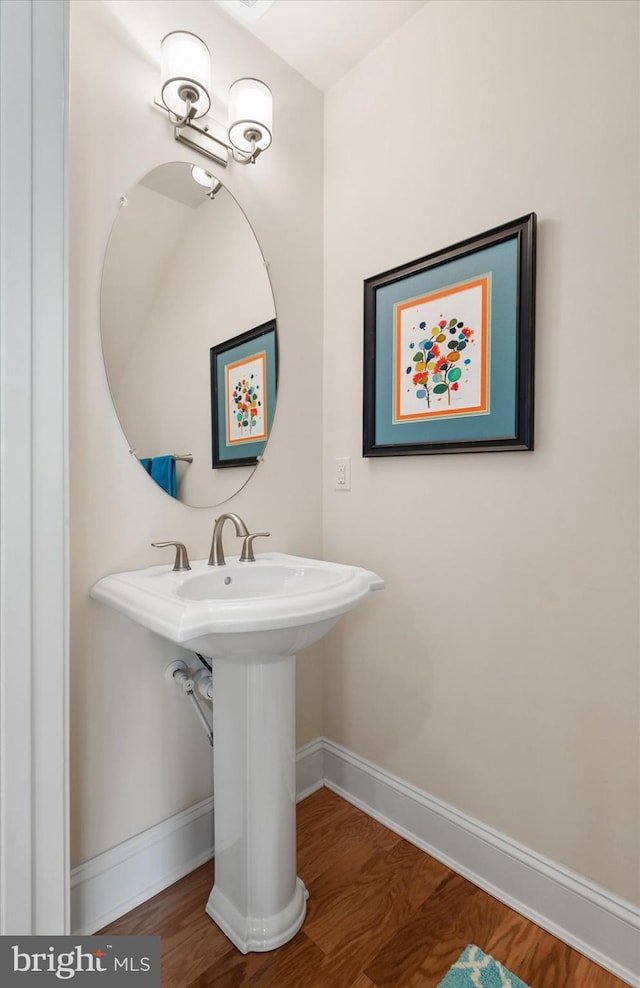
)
(247, 556)
(182, 559)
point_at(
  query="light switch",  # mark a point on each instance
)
(343, 473)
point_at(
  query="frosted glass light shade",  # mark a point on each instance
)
(201, 176)
(185, 69)
(250, 115)
(206, 180)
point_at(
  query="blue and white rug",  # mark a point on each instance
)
(475, 969)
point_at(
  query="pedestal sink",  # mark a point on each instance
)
(250, 619)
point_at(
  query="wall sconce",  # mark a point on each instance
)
(185, 83)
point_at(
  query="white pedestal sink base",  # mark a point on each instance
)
(250, 933)
(257, 900)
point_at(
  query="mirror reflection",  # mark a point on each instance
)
(184, 284)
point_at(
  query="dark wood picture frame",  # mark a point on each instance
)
(410, 396)
(241, 349)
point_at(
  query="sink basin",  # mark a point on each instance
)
(275, 605)
(251, 619)
(262, 580)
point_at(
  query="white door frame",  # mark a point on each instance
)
(34, 597)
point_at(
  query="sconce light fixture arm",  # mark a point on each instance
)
(214, 148)
(189, 114)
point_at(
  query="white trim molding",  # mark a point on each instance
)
(109, 885)
(309, 768)
(593, 921)
(34, 858)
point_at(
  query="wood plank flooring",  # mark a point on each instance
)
(381, 914)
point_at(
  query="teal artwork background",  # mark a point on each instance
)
(501, 261)
(243, 351)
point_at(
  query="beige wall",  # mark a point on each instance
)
(499, 671)
(138, 754)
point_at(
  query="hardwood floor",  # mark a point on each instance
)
(381, 914)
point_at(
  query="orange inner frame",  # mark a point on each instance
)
(483, 284)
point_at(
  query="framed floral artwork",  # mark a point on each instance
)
(448, 348)
(244, 372)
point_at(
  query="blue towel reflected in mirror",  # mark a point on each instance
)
(163, 470)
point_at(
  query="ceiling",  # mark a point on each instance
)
(324, 39)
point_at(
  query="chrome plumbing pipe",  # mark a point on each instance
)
(177, 673)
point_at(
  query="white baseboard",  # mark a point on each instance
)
(309, 768)
(109, 885)
(593, 921)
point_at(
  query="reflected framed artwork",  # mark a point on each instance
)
(449, 348)
(244, 377)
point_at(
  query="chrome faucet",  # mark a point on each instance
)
(216, 556)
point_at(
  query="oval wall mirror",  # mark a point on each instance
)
(189, 334)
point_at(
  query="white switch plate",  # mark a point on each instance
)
(343, 473)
